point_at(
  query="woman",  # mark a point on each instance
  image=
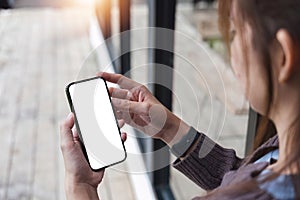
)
(264, 41)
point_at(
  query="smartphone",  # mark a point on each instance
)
(96, 122)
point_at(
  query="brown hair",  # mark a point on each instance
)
(266, 18)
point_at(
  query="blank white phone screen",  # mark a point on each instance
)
(97, 123)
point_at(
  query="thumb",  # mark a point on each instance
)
(66, 136)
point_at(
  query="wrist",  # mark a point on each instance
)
(186, 144)
(175, 130)
(75, 190)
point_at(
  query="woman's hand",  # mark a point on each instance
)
(80, 181)
(135, 105)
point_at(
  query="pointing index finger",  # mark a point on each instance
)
(119, 79)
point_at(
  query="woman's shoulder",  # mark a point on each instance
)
(244, 183)
(248, 182)
(269, 146)
(282, 186)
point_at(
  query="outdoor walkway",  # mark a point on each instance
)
(41, 50)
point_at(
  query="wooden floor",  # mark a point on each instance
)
(41, 50)
(49, 3)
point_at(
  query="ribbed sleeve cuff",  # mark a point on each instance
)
(207, 163)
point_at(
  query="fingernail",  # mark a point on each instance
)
(69, 116)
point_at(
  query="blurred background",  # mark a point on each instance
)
(45, 44)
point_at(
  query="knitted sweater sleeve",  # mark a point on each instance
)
(208, 163)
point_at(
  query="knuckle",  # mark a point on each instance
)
(143, 88)
(114, 100)
(64, 147)
(127, 94)
(62, 126)
(146, 108)
(120, 77)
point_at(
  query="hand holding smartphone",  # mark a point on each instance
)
(96, 123)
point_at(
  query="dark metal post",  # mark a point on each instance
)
(6, 4)
(124, 7)
(162, 15)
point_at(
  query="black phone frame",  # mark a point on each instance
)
(69, 98)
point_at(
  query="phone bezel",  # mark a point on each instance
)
(67, 90)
